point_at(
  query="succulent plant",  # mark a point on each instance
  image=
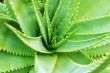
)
(54, 36)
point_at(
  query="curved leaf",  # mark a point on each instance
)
(93, 26)
(70, 16)
(11, 43)
(25, 16)
(34, 43)
(32, 70)
(98, 51)
(51, 7)
(61, 12)
(102, 66)
(9, 10)
(79, 58)
(10, 62)
(2, 9)
(62, 64)
(45, 63)
(70, 45)
(40, 21)
(22, 70)
(99, 8)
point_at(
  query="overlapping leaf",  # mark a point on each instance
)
(25, 16)
(11, 43)
(10, 62)
(61, 63)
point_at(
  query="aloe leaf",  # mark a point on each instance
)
(62, 63)
(52, 7)
(104, 50)
(70, 45)
(99, 8)
(102, 66)
(79, 58)
(70, 16)
(11, 43)
(47, 19)
(45, 63)
(34, 43)
(25, 16)
(13, 62)
(93, 26)
(2, 8)
(40, 21)
(22, 70)
(61, 12)
(9, 9)
(83, 37)
(106, 70)
(40, 4)
(32, 70)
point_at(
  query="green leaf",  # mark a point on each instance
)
(93, 26)
(32, 70)
(45, 63)
(106, 70)
(25, 16)
(60, 64)
(92, 8)
(9, 9)
(70, 45)
(47, 20)
(34, 43)
(10, 62)
(22, 70)
(11, 43)
(83, 37)
(102, 66)
(40, 4)
(70, 16)
(79, 58)
(40, 21)
(98, 51)
(2, 9)
(51, 7)
(61, 12)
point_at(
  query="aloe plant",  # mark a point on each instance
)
(55, 36)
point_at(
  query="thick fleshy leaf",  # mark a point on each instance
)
(83, 37)
(106, 70)
(70, 45)
(2, 9)
(47, 22)
(40, 21)
(99, 8)
(45, 63)
(34, 43)
(51, 7)
(70, 16)
(10, 62)
(102, 66)
(22, 70)
(93, 26)
(98, 51)
(62, 64)
(40, 4)
(11, 43)
(79, 58)
(61, 11)
(9, 9)
(32, 70)
(25, 16)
